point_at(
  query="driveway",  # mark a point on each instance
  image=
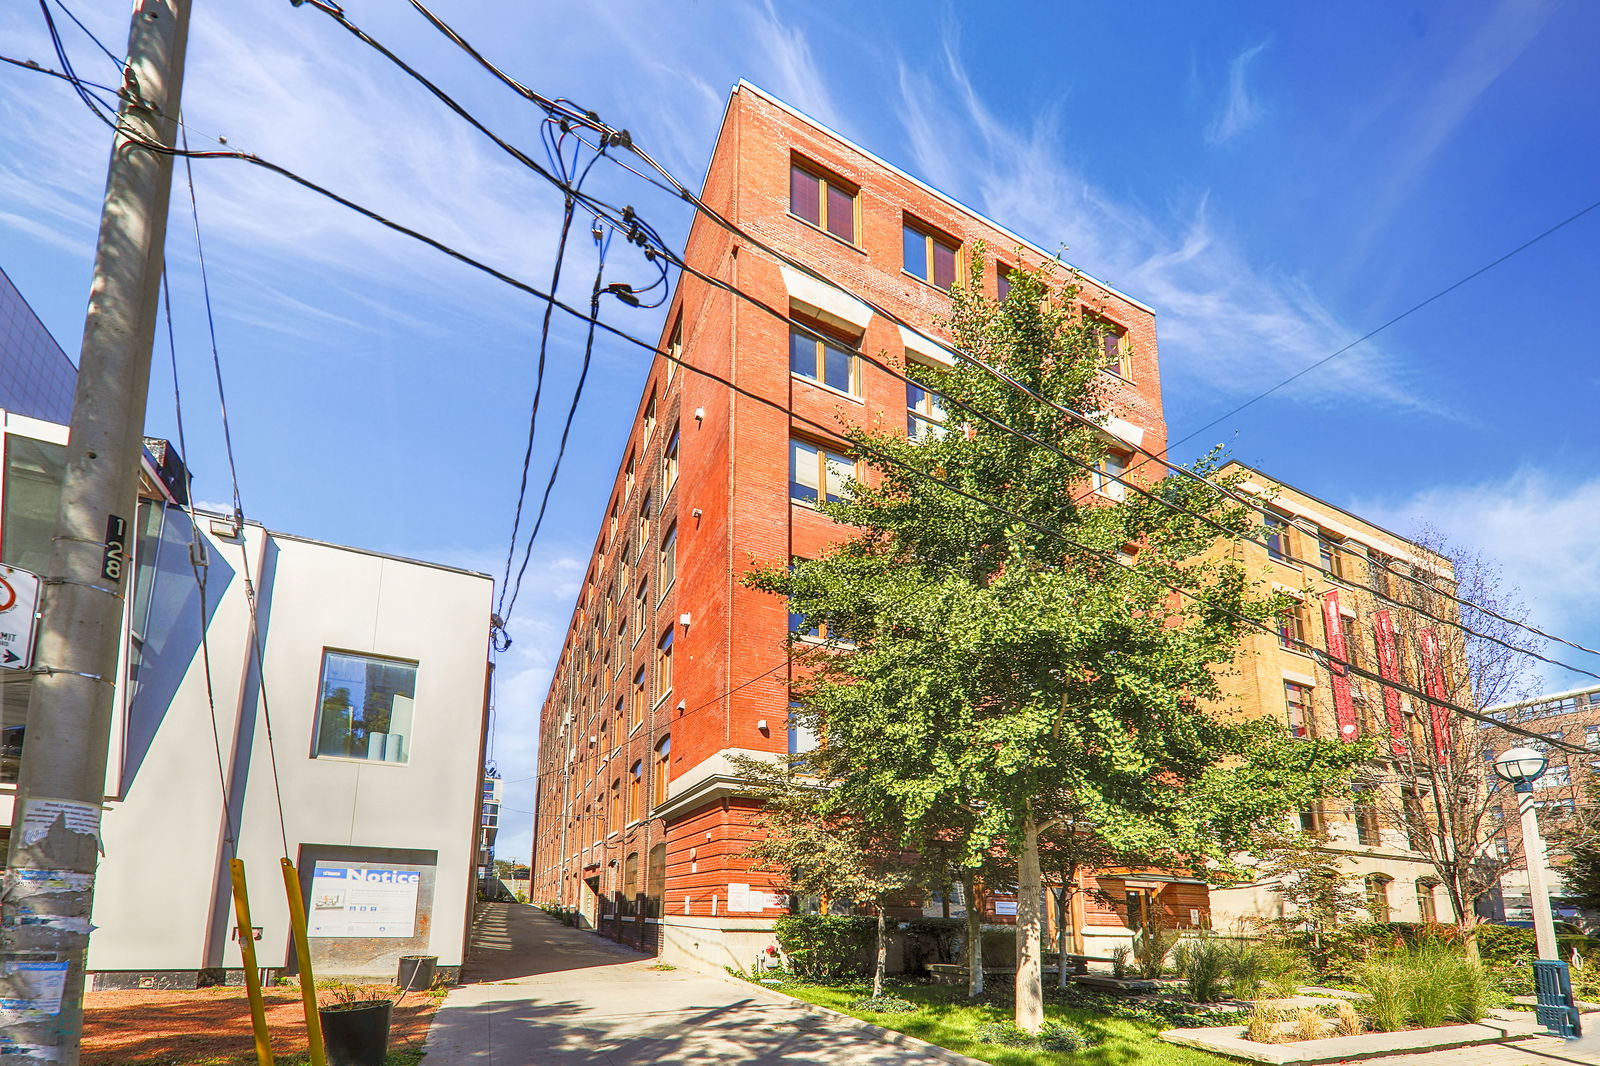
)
(542, 993)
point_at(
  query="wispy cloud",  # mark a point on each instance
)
(1539, 526)
(1228, 326)
(790, 64)
(1240, 110)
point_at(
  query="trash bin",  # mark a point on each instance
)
(416, 972)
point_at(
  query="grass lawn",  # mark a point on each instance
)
(948, 1019)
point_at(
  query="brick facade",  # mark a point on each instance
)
(731, 509)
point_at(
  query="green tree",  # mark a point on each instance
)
(1020, 648)
(1314, 881)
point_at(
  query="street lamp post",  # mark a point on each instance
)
(1521, 767)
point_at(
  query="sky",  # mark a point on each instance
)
(1276, 180)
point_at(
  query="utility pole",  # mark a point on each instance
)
(49, 879)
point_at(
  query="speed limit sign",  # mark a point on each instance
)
(19, 609)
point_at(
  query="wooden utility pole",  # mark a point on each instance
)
(55, 835)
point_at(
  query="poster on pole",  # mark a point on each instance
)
(349, 901)
(19, 607)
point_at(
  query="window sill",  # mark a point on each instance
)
(634, 729)
(811, 505)
(810, 225)
(925, 282)
(358, 762)
(663, 698)
(825, 387)
(664, 592)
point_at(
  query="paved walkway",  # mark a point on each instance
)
(542, 993)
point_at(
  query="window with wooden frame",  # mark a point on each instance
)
(929, 256)
(1352, 645)
(675, 346)
(1277, 537)
(661, 771)
(614, 807)
(1297, 708)
(1294, 626)
(821, 355)
(1368, 831)
(664, 664)
(627, 481)
(1002, 282)
(824, 201)
(667, 565)
(1107, 475)
(650, 415)
(1378, 897)
(641, 608)
(817, 472)
(640, 700)
(644, 524)
(924, 413)
(1329, 555)
(669, 463)
(1112, 340)
(636, 791)
(611, 522)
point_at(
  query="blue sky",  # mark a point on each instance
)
(1274, 179)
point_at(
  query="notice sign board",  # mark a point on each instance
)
(348, 901)
(19, 603)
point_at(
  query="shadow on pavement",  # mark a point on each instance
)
(514, 940)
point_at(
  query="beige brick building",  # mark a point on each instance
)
(1288, 678)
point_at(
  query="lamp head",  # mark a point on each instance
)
(1521, 767)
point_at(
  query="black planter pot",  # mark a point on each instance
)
(416, 972)
(357, 1035)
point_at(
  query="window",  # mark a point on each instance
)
(628, 905)
(636, 791)
(817, 472)
(933, 259)
(33, 476)
(1297, 707)
(1557, 776)
(1111, 467)
(627, 483)
(1292, 626)
(1426, 906)
(824, 202)
(669, 463)
(1378, 897)
(817, 357)
(1368, 832)
(675, 347)
(614, 807)
(366, 706)
(924, 413)
(655, 881)
(1277, 537)
(650, 416)
(1311, 820)
(638, 705)
(664, 664)
(641, 608)
(1112, 340)
(802, 738)
(644, 525)
(1352, 646)
(1002, 282)
(667, 564)
(611, 522)
(660, 772)
(1416, 819)
(1591, 736)
(1328, 556)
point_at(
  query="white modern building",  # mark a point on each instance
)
(351, 742)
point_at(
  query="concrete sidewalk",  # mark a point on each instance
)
(542, 993)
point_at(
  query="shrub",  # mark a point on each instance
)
(931, 940)
(1151, 946)
(1385, 984)
(1346, 1021)
(884, 1005)
(1119, 961)
(1053, 1036)
(1254, 968)
(1308, 1024)
(1264, 1024)
(826, 945)
(1203, 964)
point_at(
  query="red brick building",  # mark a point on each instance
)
(670, 664)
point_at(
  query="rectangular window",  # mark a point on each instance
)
(1111, 467)
(641, 608)
(669, 463)
(817, 473)
(824, 202)
(644, 525)
(1297, 708)
(1352, 646)
(664, 664)
(34, 472)
(636, 791)
(675, 348)
(924, 413)
(660, 773)
(614, 808)
(627, 482)
(1277, 537)
(365, 709)
(1328, 556)
(1292, 626)
(650, 416)
(933, 259)
(1112, 340)
(801, 737)
(1002, 282)
(639, 700)
(1367, 831)
(825, 360)
(667, 571)
(1591, 737)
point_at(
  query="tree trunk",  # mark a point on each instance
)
(882, 957)
(969, 885)
(1075, 902)
(1029, 1015)
(1062, 918)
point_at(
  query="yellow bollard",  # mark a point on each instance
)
(252, 973)
(302, 951)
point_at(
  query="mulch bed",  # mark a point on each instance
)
(212, 1026)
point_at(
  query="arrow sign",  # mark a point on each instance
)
(19, 611)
